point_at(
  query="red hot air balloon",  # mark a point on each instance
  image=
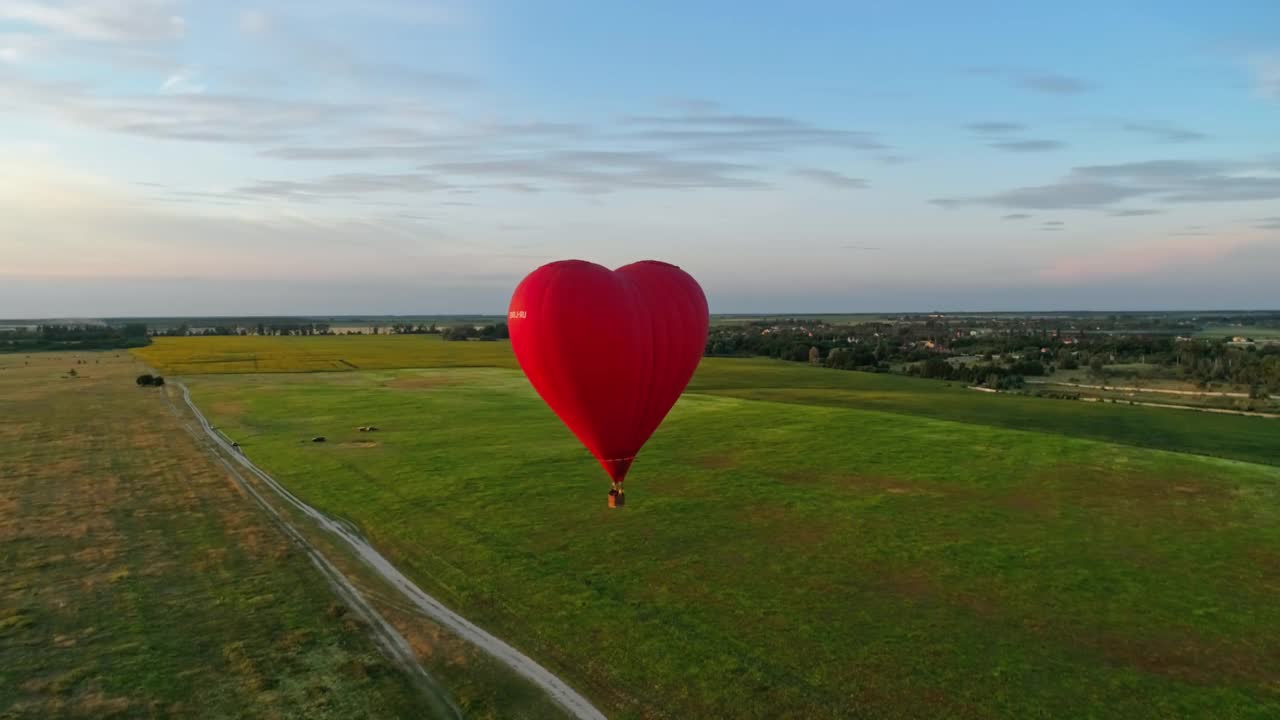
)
(609, 350)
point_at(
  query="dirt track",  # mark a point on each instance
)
(565, 696)
(1132, 388)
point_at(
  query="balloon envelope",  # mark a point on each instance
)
(609, 350)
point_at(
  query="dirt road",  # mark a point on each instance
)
(557, 689)
(1157, 391)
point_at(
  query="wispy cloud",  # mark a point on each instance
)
(344, 186)
(1015, 216)
(995, 127)
(1063, 195)
(831, 178)
(1050, 83)
(1167, 181)
(699, 150)
(254, 21)
(1134, 212)
(1028, 146)
(1164, 133)
(183, 81)
(597, 171)
(399, 12)
(123, 21)
(224, 118)
(52, 208)
(719, 131)
(371, 112)
(1266, 75)
(19, 47)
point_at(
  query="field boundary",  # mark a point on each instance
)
(384, 634)
(1134, 388)
(559, 691)
(975, 423)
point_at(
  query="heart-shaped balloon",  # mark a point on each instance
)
(609, 350)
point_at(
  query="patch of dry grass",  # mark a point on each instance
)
(139, 581)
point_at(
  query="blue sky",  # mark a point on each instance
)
(343, 156)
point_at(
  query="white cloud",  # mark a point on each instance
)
(21, 47)
(254, 22)
(411, 12)
(183, 81)
(831, 178)
(120, 21)
(59, 220)
(1266, 75)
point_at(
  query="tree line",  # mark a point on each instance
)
(52, 337)
(1001, 351)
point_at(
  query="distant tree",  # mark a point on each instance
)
(1011, 382)
(157, 381)
(796, 352)
(936, 367)
(72, 372)
(497, 331)
(815, 356)
(1098, 367)
(1027, 367)
(145, 380)
(462, 331)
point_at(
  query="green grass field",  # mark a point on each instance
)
(1259, 333)
(1240, 438)
(804, 543)
(235, 354)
